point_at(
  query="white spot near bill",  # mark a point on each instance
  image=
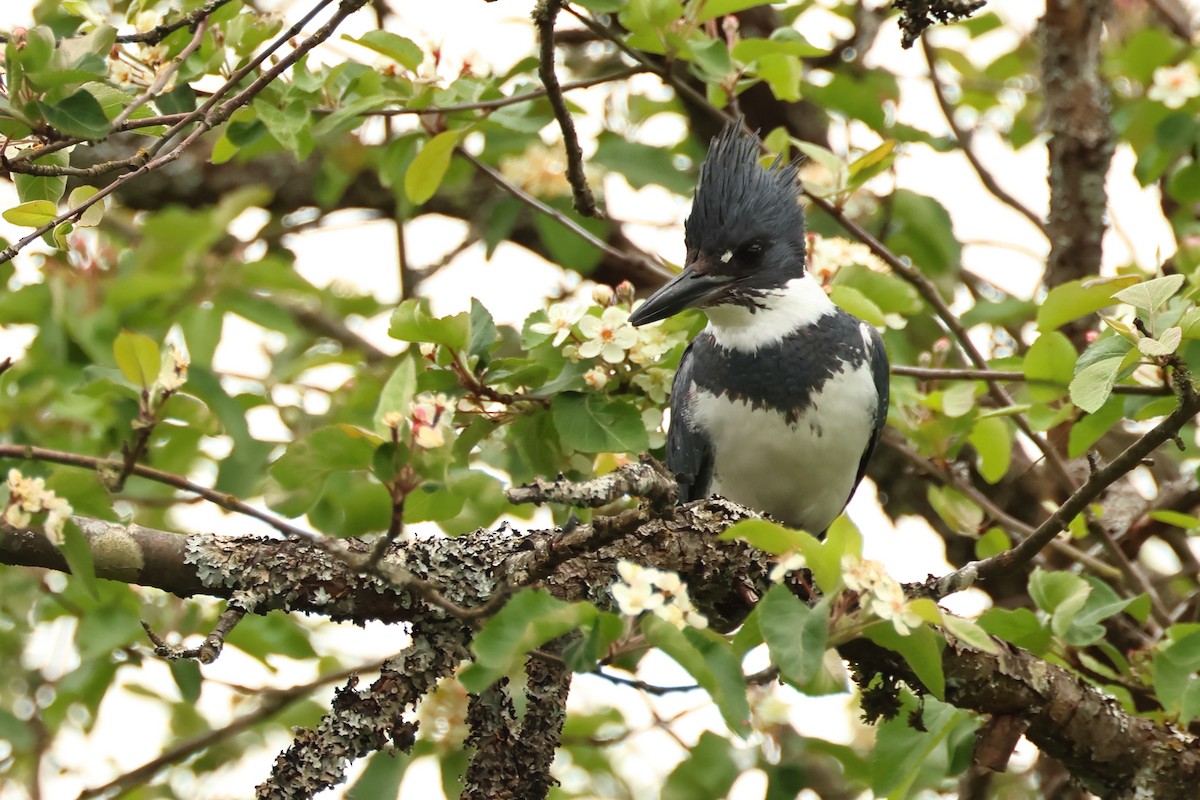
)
(728, 254)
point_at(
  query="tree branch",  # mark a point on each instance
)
(544, 15)
(964, 138)
(1099, 480)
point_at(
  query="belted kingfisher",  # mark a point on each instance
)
(779, 402)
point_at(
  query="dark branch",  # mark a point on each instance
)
(544, 16)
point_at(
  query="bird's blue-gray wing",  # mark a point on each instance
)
(880, 372)
(689, 451)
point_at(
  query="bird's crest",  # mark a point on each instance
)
(737, 193)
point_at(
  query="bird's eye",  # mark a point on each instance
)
(750, 252)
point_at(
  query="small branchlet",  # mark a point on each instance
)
(214, 643)
(647, 479)
(917, 15)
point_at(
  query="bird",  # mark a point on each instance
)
(779, 402)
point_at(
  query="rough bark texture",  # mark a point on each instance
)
(1081, 140)
(1113, 753)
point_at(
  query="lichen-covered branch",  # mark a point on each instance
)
(647, 478)
(363, 722)
(1113, 753)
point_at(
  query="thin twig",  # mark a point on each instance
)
(1100, 480)
(207, 116)
(271, 703)
(563, 219)
(213, 644)
(163, 77)
(930, 293)
(544, 16)
(1020, 530)
(964, 138)
(950, 374)
(502, 102)
(222, 499)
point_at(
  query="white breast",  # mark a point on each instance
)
(801, 472)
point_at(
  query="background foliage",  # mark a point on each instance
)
(169, 160)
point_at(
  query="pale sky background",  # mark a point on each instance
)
(131, 729)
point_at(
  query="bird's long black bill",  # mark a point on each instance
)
(688, 289)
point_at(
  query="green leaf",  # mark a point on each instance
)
(993, 541)
(94, 213)
(528, 620)
(138, 357)
(332, 449)
(770, 537)
(595, 423)
(1017, 625)
(711, 663)
(275, 634)
(397, 394)
(1089, 429)
(382, 776)
(708, 772)
(956, 509)
(873, 163)
(796, 635)
(425, 174)
(784, 74)
(1176, 672)
(1152, 294)
(993, 442)
(907, 756)
(1094, 383)
(969, 632)
(1060, 594)
(401, 50)
(33, 214)
(413, 322)
(641, 164)
(1185, 521)
(1074, 299)
(921, 649)
(855, 302)
(1048, 366)
(484, 335)
(78, 554)
(433, 502)
(187, 679)
(78, 115)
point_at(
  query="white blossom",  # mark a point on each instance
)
(431, 414)
(596, 377)
(888, 602)
(393, 420)
(652, 343)
(828, 254)
(560, 318)
(608, 335)
(789, 563)
(655, 382)
(29, 496)
(602, 294)
(863, 575)
(1174, 86)
(174, 374)
(659, 591)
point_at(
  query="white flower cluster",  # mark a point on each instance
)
(660, 592)
(607, 336)
(880, 594)
(29, 496)
(174, 374)
(827, 254)
(1174, 86)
